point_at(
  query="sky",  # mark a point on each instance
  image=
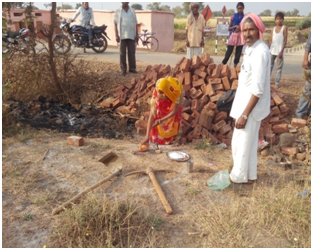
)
(304, 7)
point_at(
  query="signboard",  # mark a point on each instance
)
(222, 30)
(207, 13)
(224, 10)
(207, 29)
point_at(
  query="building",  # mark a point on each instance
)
(160, 22)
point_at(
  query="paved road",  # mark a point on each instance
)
(291, 69)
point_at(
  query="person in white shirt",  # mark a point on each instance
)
(252, 100)
(86, 15)
(126, 34)
(277, 45)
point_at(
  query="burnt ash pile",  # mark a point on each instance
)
(87, 121)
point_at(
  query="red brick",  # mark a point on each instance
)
(261, 133)
(283, 108)
(128, 85)
(211, 60)
(272, 103)
(186, 102)
(227, 142)
(202, 68)
(215, 81)
(275, 110)
(205, 59)
(187, 109)
(280, 128)
(220, 116)
(180, 61)
(209, 90)
(198, 83)
(119, 89)
(157, 67)
(211, 105)
(197, 95)
(276, 99)
(187, 78)
(215, 97)
(185, 126)
(183, 140)
(203, 89)
(195, 78)
(204, 133)
(212, 139)
(195, 105)
(133, 82)
(186, 89)
(212, 66)
(271, 138)
(196, 115)
(154, 76)
(217, 87)
(205, 120)
(219, 136)
(197, 131)
(204, 99)
(75, 140)
(267, 128)
(200, 73)
(233, 74)
(195, 62)
(289, 150)
(297, 122)
(225, 129)
(274, 119)
(225, 70)
(190, 136)
(217, 71)
(185, 65)
(229, 135)
(187, 117)
(234, 84)
(219, 125)
(226, 83)
(166, 69)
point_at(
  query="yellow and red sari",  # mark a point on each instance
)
(169, 130)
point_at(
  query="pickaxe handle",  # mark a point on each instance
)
(160, 192)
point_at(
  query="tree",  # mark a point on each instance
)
(154, 6)
(295, 12)
(309, 15)
(217, 13)
(187, 9)
(136, 6)
(177, 11)
(266, 12)
(47, 5)
(230, 12)
(165, 8)
(65, 7)
(78, 5)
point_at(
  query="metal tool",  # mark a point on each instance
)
(150, 171)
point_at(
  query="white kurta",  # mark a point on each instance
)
(254, 79)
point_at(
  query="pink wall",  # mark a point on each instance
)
(162, 23)
(44, 18)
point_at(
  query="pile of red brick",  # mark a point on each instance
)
(204, 83)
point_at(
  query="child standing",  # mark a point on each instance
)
(277, 45)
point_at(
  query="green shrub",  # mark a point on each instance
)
(303, 24)
(180, 26)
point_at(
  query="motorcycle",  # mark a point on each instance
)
(78, 36)
(18, 41)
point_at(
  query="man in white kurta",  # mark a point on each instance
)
(252, 101)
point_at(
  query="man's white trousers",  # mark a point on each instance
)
(245, 152)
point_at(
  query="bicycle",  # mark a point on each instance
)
(149, 40)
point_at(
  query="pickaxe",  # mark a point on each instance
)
(150, 171)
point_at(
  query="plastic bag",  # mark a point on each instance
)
(219, 181)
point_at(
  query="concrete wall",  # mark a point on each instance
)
(45, 18)
(162, 23)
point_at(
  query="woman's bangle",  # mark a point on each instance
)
(159, 121)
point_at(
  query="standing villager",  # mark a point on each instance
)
(235, 38)
(304, 106)
(166, 113)
(86, 15)
(277, 45)
(252, 100)
(194, 31)
(126, 34)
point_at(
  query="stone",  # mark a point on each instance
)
(264, 152)
(299, 123)
(286, 140)
(289, 150)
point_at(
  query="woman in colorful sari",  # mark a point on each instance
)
(165, 114)
(235, 35)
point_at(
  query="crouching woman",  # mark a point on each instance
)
(165, 114)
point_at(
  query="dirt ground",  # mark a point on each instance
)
(40, 172)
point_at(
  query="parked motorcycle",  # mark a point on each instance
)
(18, 41)
(78, 36)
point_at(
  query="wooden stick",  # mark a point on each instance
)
(70, 202)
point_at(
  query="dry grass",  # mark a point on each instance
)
(96, 223)
(267, 216)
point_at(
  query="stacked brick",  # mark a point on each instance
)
(204, 83)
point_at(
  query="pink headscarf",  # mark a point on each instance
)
(258, 23)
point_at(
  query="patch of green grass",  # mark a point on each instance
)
(203, 144)
(193, 191)
(28, 216)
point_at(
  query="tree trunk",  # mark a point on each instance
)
(51, 50)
